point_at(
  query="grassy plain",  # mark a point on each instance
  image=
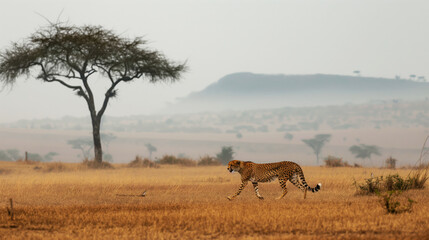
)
(190, 203)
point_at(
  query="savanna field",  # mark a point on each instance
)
(68, 201)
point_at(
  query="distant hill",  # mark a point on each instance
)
(246, 91)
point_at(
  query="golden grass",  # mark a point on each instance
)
(190, 203)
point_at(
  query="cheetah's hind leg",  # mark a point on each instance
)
(282, 182)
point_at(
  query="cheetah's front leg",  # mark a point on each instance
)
(255, 185)
(242, 186)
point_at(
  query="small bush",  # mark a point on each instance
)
(370, 186)
(208, 161)
(332, 161)
(139, 162)
(96, 165)
(172, 160)
(394, 204)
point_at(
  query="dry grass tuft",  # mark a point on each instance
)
(418, 177)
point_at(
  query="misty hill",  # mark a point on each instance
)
(245, 91)
(379, 115)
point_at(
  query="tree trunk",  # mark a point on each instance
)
(98, 151)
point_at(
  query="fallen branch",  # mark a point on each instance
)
(132, 195)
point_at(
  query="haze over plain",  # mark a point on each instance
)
(217, 38)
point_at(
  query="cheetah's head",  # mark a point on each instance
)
(235, 165)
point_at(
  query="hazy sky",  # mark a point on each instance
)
(217, 37)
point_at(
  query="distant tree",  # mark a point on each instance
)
(239, 135)
(107, 138)
(226, 155)
(151, 149)
(364, 151)
(391, 163)
(317, 143)
(9, 155)
(49, 156)
(4, 156)
(288, 136)
(14, 154)
(85, 145)
(70, 55)
(108, 157)
(35, 157)
(356, 72)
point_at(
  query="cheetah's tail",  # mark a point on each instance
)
(308, 188)
(315, 189)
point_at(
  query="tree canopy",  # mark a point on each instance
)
(317, 143)
(70, 55)
(226, 155)
(364, 151)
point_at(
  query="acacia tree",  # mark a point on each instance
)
(150, 149)
(70, 55)
(364, 151)
(226, 155)
(317, 143)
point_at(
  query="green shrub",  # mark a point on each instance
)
(393, 182)
(394, 204)
(370, 186)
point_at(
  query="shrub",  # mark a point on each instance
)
(96, 165)
(370, 186)
(391, 163)
(208, 161)
(391, 183)
(393, 204)
(172, 160)
(332, 161)
(139, 162)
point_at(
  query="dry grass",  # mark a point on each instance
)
(190, 203)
